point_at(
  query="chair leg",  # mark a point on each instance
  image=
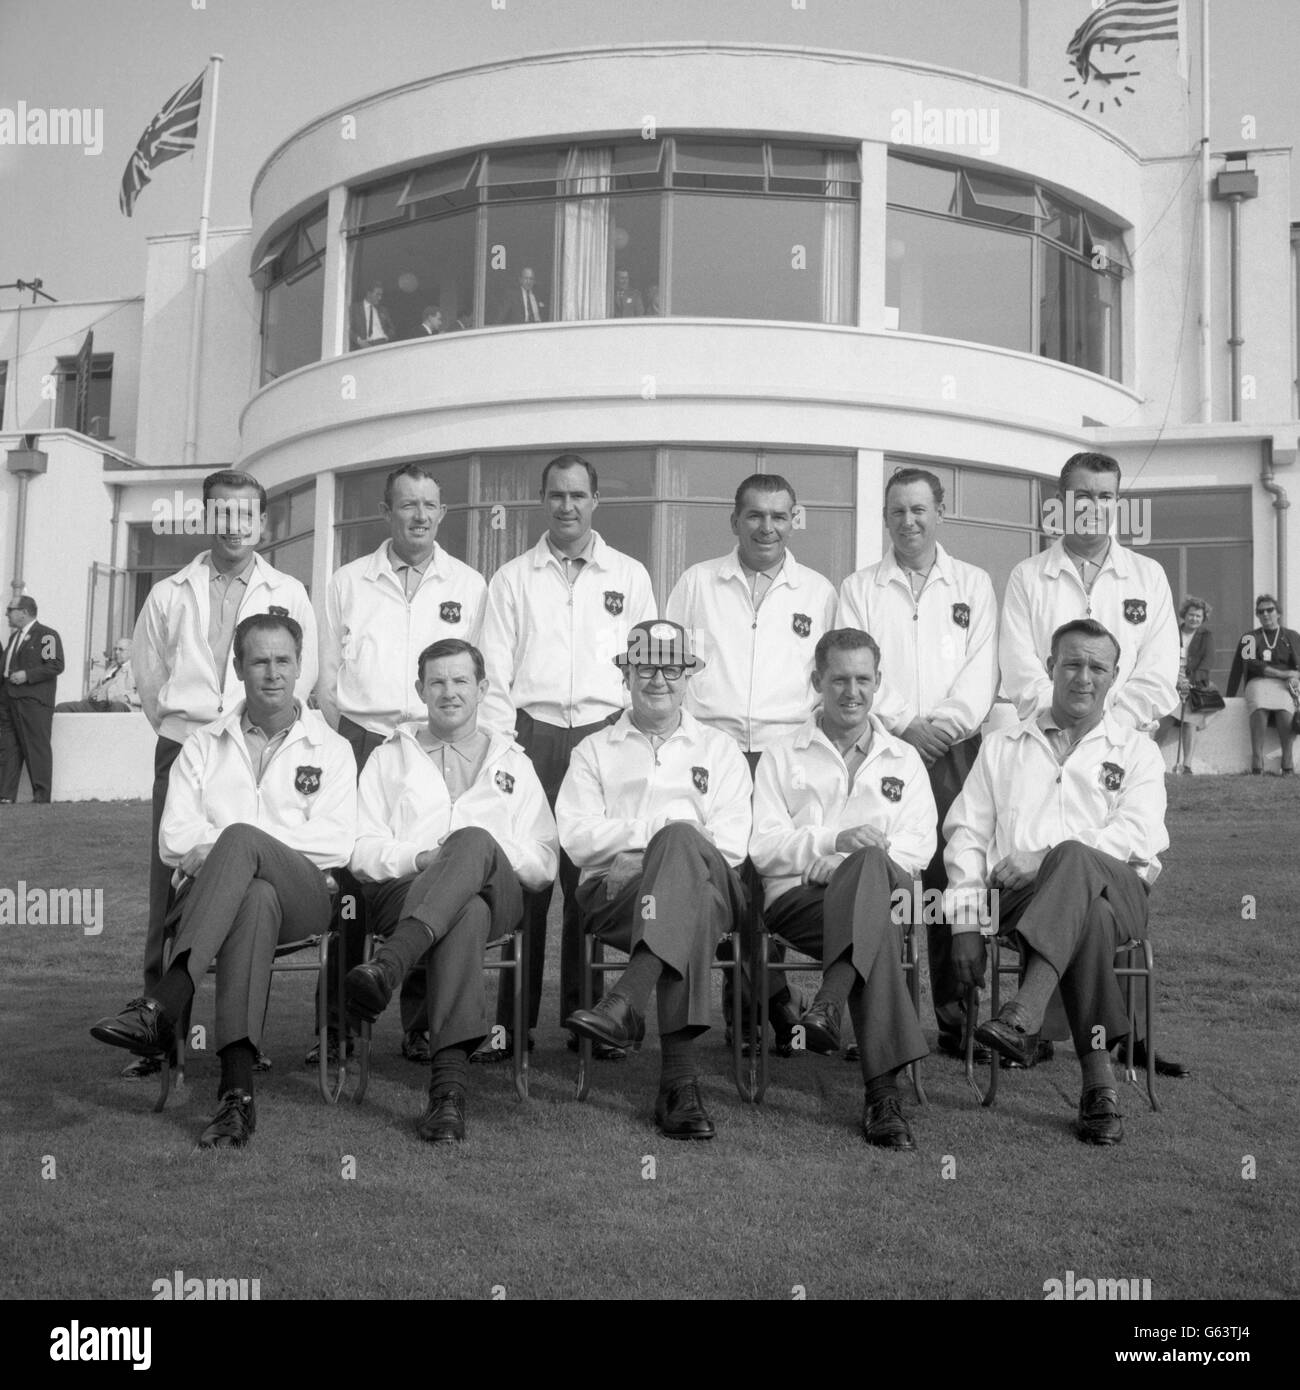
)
(1148, 960)
(520, 1018)
(363, 1038)
(972, 1019)
(995, 1003)
(757, 1012)
(330, 1090)
(912, 964)
(584, 995)
(742, 1068)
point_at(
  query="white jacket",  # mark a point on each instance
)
(179, 685)
(372, 637)
(550, 651)
(803, 799)
(938, 654)
(405, 808)
(756, 684)
(1109, 794)
(1130, 597)
(307, 798)
(619, 792)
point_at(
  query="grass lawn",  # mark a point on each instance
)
(555, 1200)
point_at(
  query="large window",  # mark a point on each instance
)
(722, 229)
(151, 556)
(293, 296)
(1000, 261)
(668, 507)
(98, 400)
(289, 532)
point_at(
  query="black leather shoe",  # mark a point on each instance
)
(415, 1045)
(1165, 1066)
(1099, 1119)
(140, 1068)
(884, 1126)
(443, 1121)
(141, 1026)
(233, 1124)
(601, 1052)
(821, 1028)
(332, 1052)
(950, 1045)
(782, 1014)
(1044, 1051)
(485, 1055)
(1005, 1038)
(680, 1113)
(611, 1020)
(368, 988)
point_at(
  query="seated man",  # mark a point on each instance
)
(843, 816)
(452, 821)
(1063, 814)
(261, 804)
(114, 692)
(655, 812)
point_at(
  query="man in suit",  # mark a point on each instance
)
(114, 692)
(628, 303)
(33, 659)
(521, 305)
(430, 322)
(372, 324)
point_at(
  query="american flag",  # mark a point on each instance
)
(1124, 21)
(173, 131)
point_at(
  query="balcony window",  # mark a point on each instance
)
(99, 395)
(292, 273)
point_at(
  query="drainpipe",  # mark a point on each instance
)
(1280, 505)
(1234, 186)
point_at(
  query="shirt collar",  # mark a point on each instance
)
(585, 554)
(891, 568)
(248, 727)
(882, 741)
(731, 568)
(593, 551)
(622, 727)
(1034, 724)
(1117, 559)
(243, 577)
(466, 746)
(385, 559)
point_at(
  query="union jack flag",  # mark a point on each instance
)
(174, 130)
(1124, 21)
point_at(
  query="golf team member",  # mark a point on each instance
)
(655, 811)
(262, 803)
(935, 619)
(1063, 814)
(1087, 573)
(381, 611)
(843, 817)
(182, 656)
(452, 822)
(556, 618)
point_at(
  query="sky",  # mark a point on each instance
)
(287, 61)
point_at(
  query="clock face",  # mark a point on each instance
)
(1107, 80)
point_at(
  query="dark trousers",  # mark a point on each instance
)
(685, 901)
(946, 778)
(851, 916)
(25, 738)
(549, 748)
(415, 1014)
(160, 875)
(93, 707)
(1082, 905)
(467, 897)
(252, 893)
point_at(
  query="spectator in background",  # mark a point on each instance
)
(114, 693)
(371, 322)
(628, 303)
(430, 322)
(1193, 674)
(521, 304)
(1268, 660)
(32, 662)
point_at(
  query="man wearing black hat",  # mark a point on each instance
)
(655, 812)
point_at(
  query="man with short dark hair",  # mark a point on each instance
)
(371, 323)
(261, 805)
(844, 819)
(1062, 815)
(557, 616)
(182, 654)
(29, 670)
(655, 811)
(453, 824)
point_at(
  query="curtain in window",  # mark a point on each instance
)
(839, 241)
(585, 267)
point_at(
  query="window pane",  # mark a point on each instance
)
(294, 558)
(708, 473)
(996, 497)
(954, 280)
(922, 186)
(807, 163)
(1215, 514)
(634, 229)
(698, 164)
(1079, 320)
(441, 182)
(995, 549)
(381, 202)
(519, 238)
(420, 265)
(520, 174)
(1109, 240)
(291, 329)
(1004, 201)
(1062, 222)
(815, 477)
(167, 552)
(789, 259)
(313, 234)
(352, 542)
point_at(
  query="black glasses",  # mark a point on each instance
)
(1259, 612)
(670, 673)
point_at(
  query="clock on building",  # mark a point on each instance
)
(1106, 80)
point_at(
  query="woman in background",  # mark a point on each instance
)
(1193, 674)
(1268, 658)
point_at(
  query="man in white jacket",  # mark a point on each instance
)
(844, 822)
(453, 824)
(261, 805)
(182, 654)
(1062, 815)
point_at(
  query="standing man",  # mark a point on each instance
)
(453, 824)
(935, 618)
(755, 617)
(381, 611)
(262, 804)
(557, 617)
(371, 322)
(628, 303)
(114, 692)
(1087, 573)
(183, 656)
(1063, 814)
(521, 304)
(33, 661)
(655, 811)
(843, 819)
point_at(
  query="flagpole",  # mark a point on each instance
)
(1207, 365)
(201, 277)
(1024, 43)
